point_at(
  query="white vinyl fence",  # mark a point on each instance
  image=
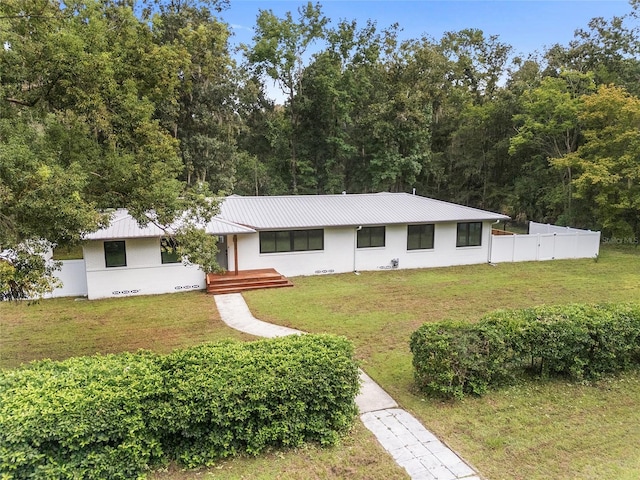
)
(544, 242)
(74, 280)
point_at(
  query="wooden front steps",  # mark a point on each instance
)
(229, 282)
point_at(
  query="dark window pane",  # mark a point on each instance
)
(168, 251)
(469, 234)
(115, 254)
(300, 240)
(371, 237)
(413, 237)
(426, 240)
(461, 236)
(267, 242)
(420, 237)
(291, 240)
(377, 237)
(475, 234)
(364, 239)
(283, 241)
(316, 239)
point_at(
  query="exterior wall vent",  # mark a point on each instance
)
(125, 292)
(187, 287)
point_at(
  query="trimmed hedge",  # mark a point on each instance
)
(577, 341)
(82, 418)
(116, 416)
(242, 397)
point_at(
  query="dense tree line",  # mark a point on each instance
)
(149, 106)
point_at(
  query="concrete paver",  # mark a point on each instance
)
(414, 447)
(411, 445)
(235, 313)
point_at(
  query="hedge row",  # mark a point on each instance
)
(452, 359)
(115, 416)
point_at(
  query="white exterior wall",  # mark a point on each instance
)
(445, 251)
(341, 255)
(337, 256)
(144, 274)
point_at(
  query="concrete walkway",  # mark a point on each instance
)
(412, 446)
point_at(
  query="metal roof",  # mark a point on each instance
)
(240, 215)
(310, 211)
(220, 226)
(123, 225)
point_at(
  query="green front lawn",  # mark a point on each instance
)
(65, 327)
(533, 430)
(61, 328)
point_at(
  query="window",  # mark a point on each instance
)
(469, 234)
(115, 254)
(371, 237)
(420, 237)
(168, 252)
(291, 241)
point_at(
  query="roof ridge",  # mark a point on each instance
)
(318, 195)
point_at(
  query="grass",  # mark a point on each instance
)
(63, 327)
(533, 430)
(358, 457)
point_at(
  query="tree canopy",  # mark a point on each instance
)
(149, 106)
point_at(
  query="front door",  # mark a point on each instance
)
(222, 258)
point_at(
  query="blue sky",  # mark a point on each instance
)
(526, 25)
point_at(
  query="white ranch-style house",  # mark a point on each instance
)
(294, 235)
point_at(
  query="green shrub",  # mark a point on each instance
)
(548, 340)
(452, 359)
(113, 416)
(81, 418)
(615, 331)
(227, 399)
(576, 341)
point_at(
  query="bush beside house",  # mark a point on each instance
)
(116, 416)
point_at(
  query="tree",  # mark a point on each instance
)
(464, 69)
(204, 116)
(278, 51)
(400, 122)
(80, 85)
(477, 62)
(608, 47)
(483, 171)
(608, 161)
(26, 271)
(548, 127)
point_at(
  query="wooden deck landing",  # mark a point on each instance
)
(229, 282)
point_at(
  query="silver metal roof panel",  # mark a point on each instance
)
(311, 211)
(123, 225)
